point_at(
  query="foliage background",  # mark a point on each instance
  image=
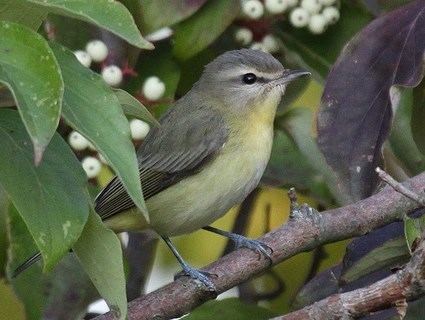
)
(202, 30)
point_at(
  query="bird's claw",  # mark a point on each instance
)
(255, 245)
(196, 274)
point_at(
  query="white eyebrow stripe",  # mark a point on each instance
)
(230, 73)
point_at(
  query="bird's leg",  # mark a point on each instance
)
(202, 276)
(243, 242)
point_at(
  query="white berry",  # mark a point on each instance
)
(331, 15)
(327, 2)
(153, 88)
(317, 24)
(83, 57)
(299, 17)
(292, 3)
(276, 6)
(97, 50)
(253, 9)
(77, 141)
(139, 129)
(258, 46)
(244, 36)
(112, 75)
(270, 43)
(312, 6)
(91, 166)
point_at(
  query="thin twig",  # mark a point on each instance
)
(298, 235)
(399, 187)
(406, 284)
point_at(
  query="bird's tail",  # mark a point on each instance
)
(28, 263)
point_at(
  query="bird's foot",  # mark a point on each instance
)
(196, 274)
(255, 245)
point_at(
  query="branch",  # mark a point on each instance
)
(399, 187)
(405, 285)
(306, 230)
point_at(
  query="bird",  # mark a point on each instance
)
(208, 153)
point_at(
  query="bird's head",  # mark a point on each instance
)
(246, 80)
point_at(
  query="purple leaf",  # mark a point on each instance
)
(355, 113)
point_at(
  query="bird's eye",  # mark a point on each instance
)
(249, 78)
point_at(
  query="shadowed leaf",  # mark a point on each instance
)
(162, 64)
(156, 14)
(231, 308)
(381, 249)
(401, 140)
(69, 292)
(355, 112)
(200, 30)
(321, 286)
(296, 159)
(418, 117)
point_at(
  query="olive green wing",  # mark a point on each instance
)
(185, 141)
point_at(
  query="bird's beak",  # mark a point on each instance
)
(290, 75)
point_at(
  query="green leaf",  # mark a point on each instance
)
(390, 253)
(298, 123)
(401, 140)
(99, 252)
(18, 11)
(91, 107)
(133, 107)
(413, 230)
(200, 30)
(110, 15)
(231, 308)
(319, 52)
(29, 285)
(418, 116)
(4, 243)
(29, 69)
(289, 167)
(156, 14)
(51, 198)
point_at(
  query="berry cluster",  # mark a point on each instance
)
(97, 51)
(269, 43)
(316, 15)
(153, 89)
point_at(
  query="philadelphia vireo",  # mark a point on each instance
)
(208, 154)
